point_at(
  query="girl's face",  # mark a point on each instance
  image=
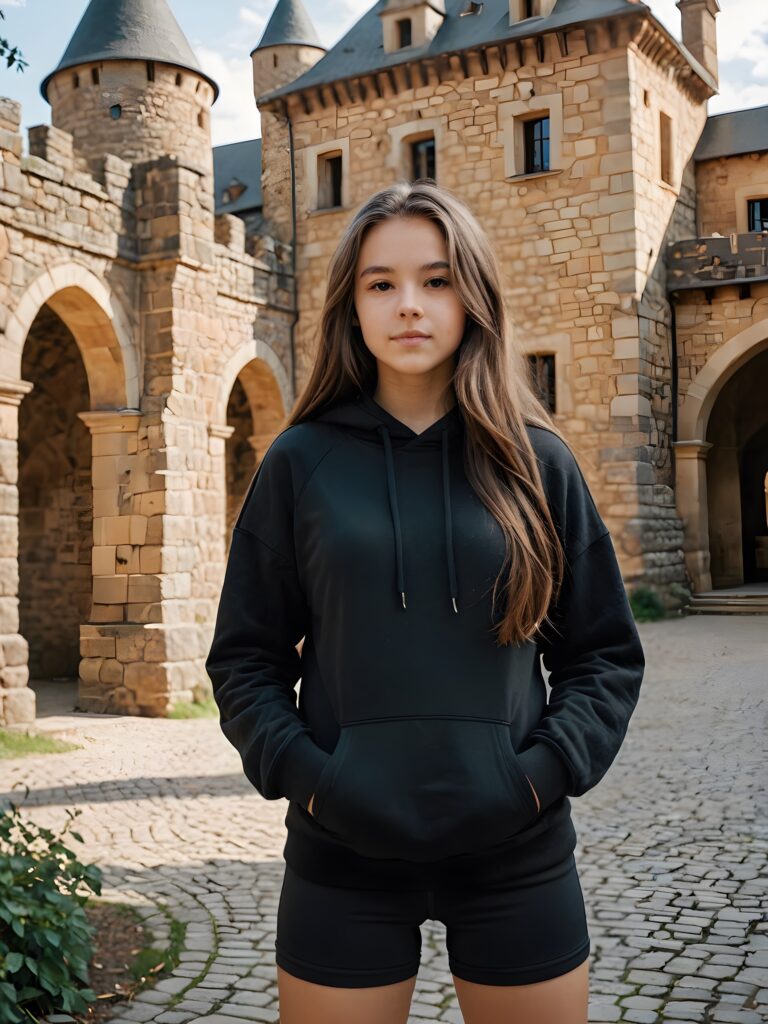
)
(402, 284)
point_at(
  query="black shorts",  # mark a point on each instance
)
(530, 931)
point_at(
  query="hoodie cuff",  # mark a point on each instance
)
(547, 771)
(298, 769)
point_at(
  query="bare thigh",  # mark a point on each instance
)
(562, 1000)
(303, 1001)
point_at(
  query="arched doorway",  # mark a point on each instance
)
(718, 458)
(255, 415)
(55, 503)
(736, 467)
(753, 471)
(69, 351)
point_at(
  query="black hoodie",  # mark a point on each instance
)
(413, 728)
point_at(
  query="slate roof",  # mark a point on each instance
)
(128, 30)
(289, 23)
(237, 161)
(361, 50)
(738, 131)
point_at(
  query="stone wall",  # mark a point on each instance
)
(573, 243)
(155, 309)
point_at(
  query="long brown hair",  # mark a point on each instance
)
(491, 383)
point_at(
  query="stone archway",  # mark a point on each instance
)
(695, 465)
(68, 347)
(98, 324)
(249, 410)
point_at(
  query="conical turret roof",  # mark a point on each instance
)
(289, 23)
(128, 30)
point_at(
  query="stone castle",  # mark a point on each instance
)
(161, 298)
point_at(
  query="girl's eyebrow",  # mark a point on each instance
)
(437, 265)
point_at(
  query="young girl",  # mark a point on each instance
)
(424, 527)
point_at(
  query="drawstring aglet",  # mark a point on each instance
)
(402, 594)
(453, 601)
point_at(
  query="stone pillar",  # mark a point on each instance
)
(139, 644)
(17, 700)
(691, 491)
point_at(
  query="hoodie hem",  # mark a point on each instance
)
(546, 842)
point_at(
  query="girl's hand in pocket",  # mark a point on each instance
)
(536, 795)
(309, 805)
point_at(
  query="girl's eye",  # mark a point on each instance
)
(442, 280)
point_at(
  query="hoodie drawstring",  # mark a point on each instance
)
(448, 522)
(395, 513)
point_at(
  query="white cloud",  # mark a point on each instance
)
(235, 115)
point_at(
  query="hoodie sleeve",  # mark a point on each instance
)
(591, 649)
(253, 663)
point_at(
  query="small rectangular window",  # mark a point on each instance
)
(536, 143)
(665, 137)
(423, 158)
(757, 214)
(542, 369)
(329, 180)
(404, 32)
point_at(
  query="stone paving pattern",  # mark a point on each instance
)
(672, 847)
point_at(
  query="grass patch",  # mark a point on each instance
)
(206, 708)
(646, 605)
(19, 744)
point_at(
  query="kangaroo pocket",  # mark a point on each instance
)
(422, 789)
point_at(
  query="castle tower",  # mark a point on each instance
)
(289, 46)
(699, 32)
(129, 84)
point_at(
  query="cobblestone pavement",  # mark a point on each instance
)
(672, 846)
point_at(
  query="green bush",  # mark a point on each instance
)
(646, 605)
(45, 937)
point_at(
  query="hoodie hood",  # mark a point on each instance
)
(365, 419)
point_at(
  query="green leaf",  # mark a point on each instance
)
(13, 962)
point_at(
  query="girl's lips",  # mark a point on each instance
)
(411, 339)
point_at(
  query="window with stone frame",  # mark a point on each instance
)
(329, 179)
(542, 370)
(757, 214)
(404, 32)
(423, 158)
(665, 145)
(536, 144)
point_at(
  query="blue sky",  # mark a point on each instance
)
(223, 33)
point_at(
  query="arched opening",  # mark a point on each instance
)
(55, 502)
(255, 415)
(69, 346)
(736, 468)
(753, 472)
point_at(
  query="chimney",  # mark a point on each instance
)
(699, 32)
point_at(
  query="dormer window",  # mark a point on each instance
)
(519, 10)
(410, 22)
(423, 158)
(233, 191)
